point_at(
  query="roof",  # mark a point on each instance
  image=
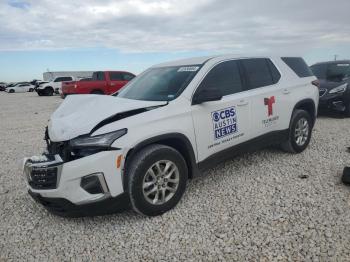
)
(333, 62)
(188, 61)
(203, 59)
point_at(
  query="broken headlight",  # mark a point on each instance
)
(105, 140)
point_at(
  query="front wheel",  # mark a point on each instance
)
(11, 91)
(157, 179)
(299, 132)
(49, 91)
(347, 109)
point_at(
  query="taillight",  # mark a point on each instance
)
(316, 83)
(75, 86)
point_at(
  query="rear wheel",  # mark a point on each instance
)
(31, 89)
(157, 179)
(11, 91)
(299, 132)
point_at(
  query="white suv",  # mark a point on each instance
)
(140, 146)
(54, 86)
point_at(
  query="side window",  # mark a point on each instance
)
(64, 79)
(116, 76)
(58, 79)
(128, 77)
(258, 73)
(225, 76)
(98, 76)
(276, 76)
(298, 65)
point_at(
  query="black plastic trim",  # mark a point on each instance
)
(305, 102)
(163, 139)
(65, 208)
(272, 138)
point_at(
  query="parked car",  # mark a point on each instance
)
(20, 88)
(53, 87)
(107, 82)
(334, 90)
(2, 86)
(141, 145)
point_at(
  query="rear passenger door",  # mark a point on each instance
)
(221, 124)
(267, 100)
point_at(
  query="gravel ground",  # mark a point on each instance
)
(262, 206)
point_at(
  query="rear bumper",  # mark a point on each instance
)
(65, 208)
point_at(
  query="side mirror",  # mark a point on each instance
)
(206, 95)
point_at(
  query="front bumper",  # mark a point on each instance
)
(334, 101)
(57, 184)
(65, 208)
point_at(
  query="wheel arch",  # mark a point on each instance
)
(175, 140)
(309, 106)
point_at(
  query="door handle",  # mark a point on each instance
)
(242, 103)
(112, 84)
(286, 91)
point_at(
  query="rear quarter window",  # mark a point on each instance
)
(298, 65)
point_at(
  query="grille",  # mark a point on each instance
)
(322, 92)
(43, 178)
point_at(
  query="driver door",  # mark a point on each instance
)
(221, 124)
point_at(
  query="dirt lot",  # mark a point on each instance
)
(265, 206)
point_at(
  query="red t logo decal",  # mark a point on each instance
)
(269, 102)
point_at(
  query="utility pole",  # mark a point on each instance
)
(335, 57)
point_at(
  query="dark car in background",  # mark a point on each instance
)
(2, 86)
(334, 77)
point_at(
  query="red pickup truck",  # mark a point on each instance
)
(107, 82)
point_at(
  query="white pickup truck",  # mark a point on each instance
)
(54, 86)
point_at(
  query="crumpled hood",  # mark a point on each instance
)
(79, 114)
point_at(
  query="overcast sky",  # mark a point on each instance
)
(36, 35)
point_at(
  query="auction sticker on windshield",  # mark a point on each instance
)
(188, 69)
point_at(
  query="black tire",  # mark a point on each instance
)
(137, 170)
(31, 89)
(49, 91)
(11, 91)
(97, 92)
(347, 109)
(291, 144)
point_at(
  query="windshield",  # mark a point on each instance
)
(332, 72)
(160, 84)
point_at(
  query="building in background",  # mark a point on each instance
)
(47, 76)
